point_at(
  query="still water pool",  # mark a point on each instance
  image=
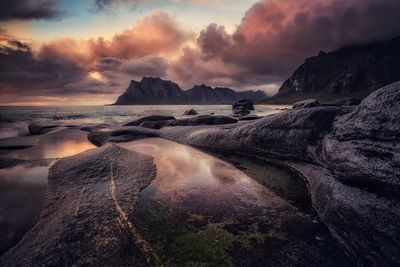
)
(202, 211)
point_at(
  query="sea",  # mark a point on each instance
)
(14, 121)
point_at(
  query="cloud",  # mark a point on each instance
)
(156, 34)
(68, 66)
(274, 37)
(28, 9)
(21, 73)
(146, 66)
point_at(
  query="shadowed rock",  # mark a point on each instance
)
(246, 104)
(120, 134)
(18, 142)
(308, 103)
(240, 111)
(203, 120)
(149, 118)
(85, 218)
(364, 145)
(190, 112)
(37, 129)
(347, 101)
(156, 124)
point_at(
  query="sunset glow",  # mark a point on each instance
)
(62, 48)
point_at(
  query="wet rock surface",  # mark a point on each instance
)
(120, 134)
(84, 219)
(308, 103)
(149, 118)
(349, 156)
(246, 104)
(37, 129)
(190, 112)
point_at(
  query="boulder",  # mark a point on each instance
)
(156, 124)
(37, 129)
(120, 134)
(308, 103)
(194, 121)
(190, 112)
(240, 111)
(149, 118)
(204, 120)
(246, 104)
(347, 101)
(364, 146)
(85, 217)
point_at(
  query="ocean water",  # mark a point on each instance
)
(14, 121)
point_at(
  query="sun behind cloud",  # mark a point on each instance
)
(97, 76)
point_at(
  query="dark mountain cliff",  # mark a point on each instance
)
(348, 72)
(153, 91)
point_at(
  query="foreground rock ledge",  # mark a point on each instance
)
(349, 156)
(85, 219)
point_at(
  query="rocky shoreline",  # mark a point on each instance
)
(348, 155)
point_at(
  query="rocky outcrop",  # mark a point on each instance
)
(349, 157)
(240, 111)
(244, 103)
(149, 118)
(85, 218)
(190, 112)
(156, 91)
(347, 101)
(348, 72)
(37, 129)
(364, 146)
(308, 103)
(120, 134)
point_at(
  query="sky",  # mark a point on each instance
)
(71, 52)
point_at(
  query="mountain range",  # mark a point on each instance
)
(155, 91)
(353, 71)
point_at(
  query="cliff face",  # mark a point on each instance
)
(155, 91)
(349, 72)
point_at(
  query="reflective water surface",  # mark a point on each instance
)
(58, 144)
(23, 187)
(22, 192)
(202, 211)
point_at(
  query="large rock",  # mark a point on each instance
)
(85, 218)
(364, 146)
(204, 120)
(149, 118)
(37, 129)
(194, 121)
(190, 112)
(308, 103)
(244, 103)
(120, 134)
(240, 111)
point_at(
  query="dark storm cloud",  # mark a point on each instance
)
(22, 73)
(274, 37)
(147, 66)
(28, 9)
